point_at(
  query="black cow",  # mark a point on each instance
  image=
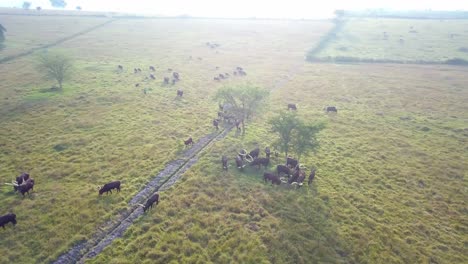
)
(216, 79)
(311, 177)
(139, 70)
(5, 219)
(283, 169)
(216, 123)
(295, 176)
(175, 75)
(267, 152)
(268, 176)
(301, 178)
(120, 67)
(152, 76)
(20, 179)
(292, 107)
(260, 161)
(290, 162)
(137, 85)
(152, 68)
(180, 93)
(239, 162)
(149, 203)
(166, 80)
(26, 186)
(224, 160)
(135, 70)
(188, 141)
(331, 109)
(108, 187)
(254, 153)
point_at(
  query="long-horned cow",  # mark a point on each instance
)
(108, 187)
(149, 203)
(188, 141)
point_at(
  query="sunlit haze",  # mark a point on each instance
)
(245, 8)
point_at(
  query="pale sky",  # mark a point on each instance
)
(246, 8)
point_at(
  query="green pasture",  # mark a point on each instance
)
(391, 170)
(405, 40)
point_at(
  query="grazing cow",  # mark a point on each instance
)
(331, 109)
(139, 70)
(224, 160)
(152, 68)
(23, 177)
(175, 75)
(290, 162)
(5, 219)
(267, 152)
(311, 177)
(120, 67)
(242, 73)
(135, 70)
(188, 141)
(137, 85)
(295, 176)
(239, 162)
(152, 76)
(254, 153)
(166, 80)
(108, 187)
(216, 79)
(239, 68)
(283, 169)
(149, 203)
(216, 123)
(221, 76)
(259, 162)
(180, 93)
(301, 178)
(292, 107)
(268, 176)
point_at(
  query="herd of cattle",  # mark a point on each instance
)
(294, 173)
(239, 71)
(24, 184)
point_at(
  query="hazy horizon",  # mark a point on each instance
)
(297, 9)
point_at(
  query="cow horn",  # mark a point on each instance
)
(99, 187)
(244, 152)
(142, 205)
(247, 158)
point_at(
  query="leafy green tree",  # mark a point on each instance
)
(304, 138)
(284, 124)
(58, 3)
(243, 101)
(26, 5)
(55, 66)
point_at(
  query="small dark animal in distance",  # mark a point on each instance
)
(149, 203)
(180, 93)
(108, 187)
(188, 141)
(224, 160)
(267, 176)
(292, 107)
(331, 109)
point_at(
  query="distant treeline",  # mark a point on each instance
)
(415, 14)
(344, 59)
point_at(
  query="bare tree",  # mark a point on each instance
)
(55, 66)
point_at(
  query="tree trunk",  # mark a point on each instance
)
(60, 85)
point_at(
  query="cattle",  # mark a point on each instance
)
(23, 177)
(175, 75)
(224, 160)
(311, 177)
(292, 107)
(139, 70)
(5, 219)
(137, 85)
(238, 123)
(216, 123)
(180, 93)
(149, 203)
(267, 152)
(239, 162)
(254, 153)
(239, 68)
(135, 70)
(267, 176)
(152, 76)
(221, 76)
(188, 141)
(235, 73)
(169, 69)
(295, 176)
(331, 109)
(166, 80)
(26, 186)
(242, 73)
(283, 169)
(301, 178)
(120, 67)
(152, 68)
(260, 161)
(290, 162)
(108, 187)
(216, 79)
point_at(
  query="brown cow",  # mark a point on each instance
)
(188, 141)
(311, 177)
(267, 176)
(292, 107)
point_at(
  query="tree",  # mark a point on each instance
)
(55, 66)
(58, 3)
(38, 8)
(284, 124)
(295, 134)
(78, 8)
(243, 101)
(26, 5)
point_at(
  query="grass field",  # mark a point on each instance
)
(406, 40)
(391, 182)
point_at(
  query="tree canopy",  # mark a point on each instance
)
(243, 101)
(26, 5)
(55, 66)
(58, 3)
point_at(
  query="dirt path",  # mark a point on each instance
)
(116, 227)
